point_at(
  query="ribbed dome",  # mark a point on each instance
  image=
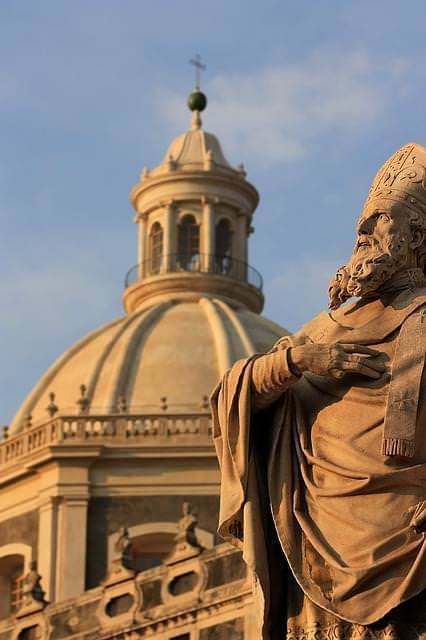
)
(175, 350)
(194, 150)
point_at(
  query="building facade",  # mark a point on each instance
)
(109, 482)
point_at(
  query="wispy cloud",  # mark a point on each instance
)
(276, 114)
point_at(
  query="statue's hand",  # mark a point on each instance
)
(335, 360)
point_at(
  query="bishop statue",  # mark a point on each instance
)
(322, 440)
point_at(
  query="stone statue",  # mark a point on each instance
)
(322, 441)
(186, 544)
(123, 547)
(32, 592)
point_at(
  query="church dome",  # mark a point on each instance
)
(163, 357)
(192, 300)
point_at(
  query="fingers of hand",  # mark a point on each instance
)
(345, 358)
(352, 358)
(359, 348)
(361, 366)
(371, 362)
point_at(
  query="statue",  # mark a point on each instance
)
(322, 441)
(122, 560)
(32, 592)
(186, 544)
(186, 526)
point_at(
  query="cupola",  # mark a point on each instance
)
(194, 214)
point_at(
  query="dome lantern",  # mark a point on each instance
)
(194, 214)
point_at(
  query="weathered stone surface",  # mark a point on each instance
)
(231, 629)
(225, 569)
(151, 594)
(22, 528)
(74, 619)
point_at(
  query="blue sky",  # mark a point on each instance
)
(311, 95)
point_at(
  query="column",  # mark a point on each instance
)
(47, 544)
(72, 544)
(209, 236)
(142, 254)
(169, 248)
(241, 245)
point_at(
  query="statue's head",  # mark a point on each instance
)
(391, 231)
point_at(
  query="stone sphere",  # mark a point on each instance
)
(197, 101)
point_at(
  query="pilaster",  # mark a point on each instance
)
(169, 244)
(72, 542)
(208, 247)
(241, 242)
(47, 544)
(242, 236)
(141, 220)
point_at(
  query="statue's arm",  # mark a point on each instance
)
(273, 373)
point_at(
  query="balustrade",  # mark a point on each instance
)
(119, 430)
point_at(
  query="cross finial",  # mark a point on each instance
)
(196, 61)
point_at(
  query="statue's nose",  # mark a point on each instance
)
(365, 227)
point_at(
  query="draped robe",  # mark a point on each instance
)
(332, 528)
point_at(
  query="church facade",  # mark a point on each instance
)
(109, 485)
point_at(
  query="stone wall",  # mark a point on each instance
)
(225, 631)
(21, 529)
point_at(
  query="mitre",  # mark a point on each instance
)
(401, 179)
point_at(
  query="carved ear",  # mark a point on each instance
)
(418, 237)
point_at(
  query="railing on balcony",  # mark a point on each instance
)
(151, 430)
(195, 263)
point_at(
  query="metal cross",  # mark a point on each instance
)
(196, 61)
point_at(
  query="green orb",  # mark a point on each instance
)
(197, 101)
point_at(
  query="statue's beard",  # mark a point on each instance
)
(368, 269)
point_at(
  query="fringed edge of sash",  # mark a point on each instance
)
(398, 447)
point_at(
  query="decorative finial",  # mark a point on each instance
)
(197, 100)
(5, 432)
(28, 421)
(145, 173)
(242, 170)
(83, 401)
(171, 163)
(122, 404)
(52, 408)
(209, 160)
(196, 61)
(196, 120)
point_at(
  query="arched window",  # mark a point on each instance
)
(12, 568)
(223, 247)
(156, 247)
(152, 542)
(150, 550)
(188, 249)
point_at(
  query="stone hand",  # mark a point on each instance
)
(335, 360)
